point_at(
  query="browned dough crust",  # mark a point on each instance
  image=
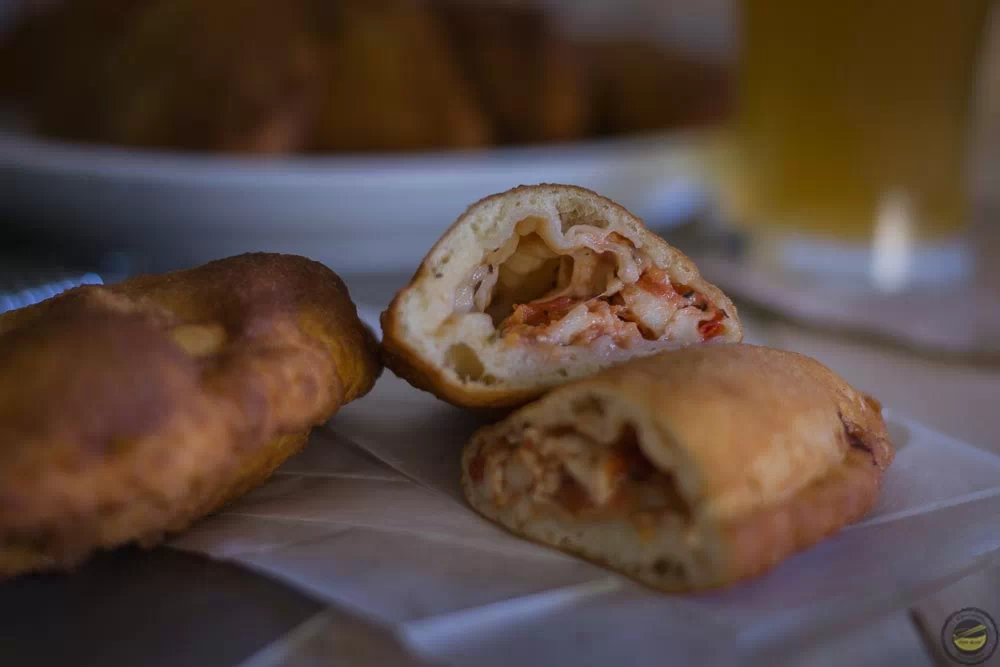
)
(129, 411)
(402, 356)
(756, 494)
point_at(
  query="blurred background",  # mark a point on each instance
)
(833, 165)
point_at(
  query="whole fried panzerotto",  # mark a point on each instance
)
(129, 411)
(686, 470)
(541, 284)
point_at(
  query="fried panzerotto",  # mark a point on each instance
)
(58, 58)
(532, 81)
(129, 411)
(261, 77)
(541, 284)
(686, 470)
(392, 82)
(237, 76)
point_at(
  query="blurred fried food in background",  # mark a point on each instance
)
(644, 88)
(392, 82)
(253, 76)
(57, 64)
(227, 75)
(533, 81)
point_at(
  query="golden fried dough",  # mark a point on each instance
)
(129, 411)
(539, 285)
(686, 470)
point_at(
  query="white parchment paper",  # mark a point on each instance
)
(921, 318)
(370, 516)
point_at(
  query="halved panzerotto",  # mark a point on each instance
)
(686, 470)
(541, 284)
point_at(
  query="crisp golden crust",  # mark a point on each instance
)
(757, 454)
(416, 314)
(766, 537)
(130, 411)
(758, 424)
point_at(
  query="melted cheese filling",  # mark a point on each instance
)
(565, 469)
(602, 293)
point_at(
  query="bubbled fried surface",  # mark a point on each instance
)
(130, 411)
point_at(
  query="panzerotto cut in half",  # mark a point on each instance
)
(540, 284)
(129, 411)
(687, 470)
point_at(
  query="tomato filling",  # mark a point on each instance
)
(644, 310)
(567, 470)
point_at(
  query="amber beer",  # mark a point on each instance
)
(848, 104)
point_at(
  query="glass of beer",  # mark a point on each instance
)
(852, 135)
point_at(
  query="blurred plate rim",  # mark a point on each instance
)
(21, 150)
(357, 212)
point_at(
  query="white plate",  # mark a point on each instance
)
(356, 213)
